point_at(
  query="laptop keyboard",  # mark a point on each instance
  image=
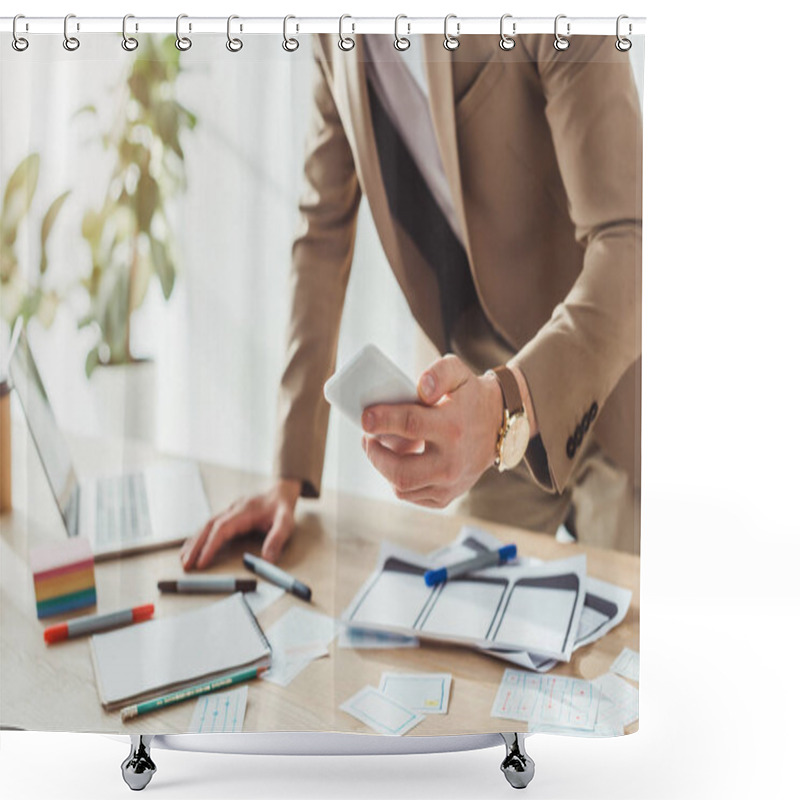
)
(122, 512)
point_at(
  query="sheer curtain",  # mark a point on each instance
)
(217, 344)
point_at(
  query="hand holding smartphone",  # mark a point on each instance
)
(369, 378)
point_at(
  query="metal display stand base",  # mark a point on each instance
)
(518, 767)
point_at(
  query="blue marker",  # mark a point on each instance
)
(491, 558)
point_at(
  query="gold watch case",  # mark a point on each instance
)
(513, 440)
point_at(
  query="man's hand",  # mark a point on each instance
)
(271, 512)
(457, 427)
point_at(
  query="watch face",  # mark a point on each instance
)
(515, 442)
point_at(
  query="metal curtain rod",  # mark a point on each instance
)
(461, 26)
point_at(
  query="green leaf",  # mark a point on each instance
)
(18, 196)
(92, 360)
(147, 199)
(47, 226)
(87, 109)
(163, 266)
(167, 117)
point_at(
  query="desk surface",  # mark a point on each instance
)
(333, 550)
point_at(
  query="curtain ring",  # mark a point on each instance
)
(289, 44)
(183, 43)
(128, 42)
(19, 43)
(623, 44)
(560, 43)
(233, 44)
(401, 43)
(506, 42)
(71, 43)
(346, 43)
(451, 42)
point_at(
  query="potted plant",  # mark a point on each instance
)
(129, 236)
(24, 289)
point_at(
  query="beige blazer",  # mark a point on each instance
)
(542, 151)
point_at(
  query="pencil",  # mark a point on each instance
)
(136, 710)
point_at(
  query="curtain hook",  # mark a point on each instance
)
(19, 43)
(128, 42)
(289, 44)
(506, 42)
(560, 42)
(71, 43)
(451, 42)
(183, 43)
(346, 43)
(233, 44)
(623, 44)
(401, 42)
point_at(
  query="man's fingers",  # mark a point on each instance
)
(401, 446)
(224, 528)
(280, 531)
(404, 472)
(429, 496)
(443, 376)
(406, 420)
(191, 547)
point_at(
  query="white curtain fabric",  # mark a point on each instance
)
(218, 343)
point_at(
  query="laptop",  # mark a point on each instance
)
(157, 506)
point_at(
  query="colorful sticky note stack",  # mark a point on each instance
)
(63, 577)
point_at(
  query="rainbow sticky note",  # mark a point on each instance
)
(63, 577)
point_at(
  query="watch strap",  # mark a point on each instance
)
(512, 399)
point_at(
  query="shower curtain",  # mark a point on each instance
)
(198, 234)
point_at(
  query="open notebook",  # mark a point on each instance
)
(169, 653)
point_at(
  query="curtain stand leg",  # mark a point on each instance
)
(138, 768)
(517, 766)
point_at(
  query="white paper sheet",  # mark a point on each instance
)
(627, 665)
(220, 712)
(299, 637)
(423, 693)
(619, 704)
(547, 701)
(263, 597)
(381, 713)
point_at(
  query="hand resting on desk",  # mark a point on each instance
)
(271, 512)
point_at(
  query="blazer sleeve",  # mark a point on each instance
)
(321, 257)
(577, 358)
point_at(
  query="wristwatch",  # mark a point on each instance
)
(515, 432)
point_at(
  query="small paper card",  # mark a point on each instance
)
(381, 713)
(547, 701)
(220, 712)
(424, 693)
(627, 665)
(619, 703)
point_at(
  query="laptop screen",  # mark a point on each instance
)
(50, 442)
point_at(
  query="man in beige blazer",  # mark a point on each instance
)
(541, 156)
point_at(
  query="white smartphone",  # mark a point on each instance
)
(367, 379)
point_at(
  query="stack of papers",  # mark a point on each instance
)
(529, 612)
(401, 702)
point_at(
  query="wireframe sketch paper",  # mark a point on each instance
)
(424, 693)
(168, 653)
(547, 701)
(382, 713)
(627, 664)
(518, 607)
(605, 605)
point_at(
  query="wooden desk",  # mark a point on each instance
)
(333, 550)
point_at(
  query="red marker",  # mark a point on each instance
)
(97, 622)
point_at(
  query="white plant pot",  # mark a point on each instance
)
(125, 397)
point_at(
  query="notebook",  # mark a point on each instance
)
(165, 654)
